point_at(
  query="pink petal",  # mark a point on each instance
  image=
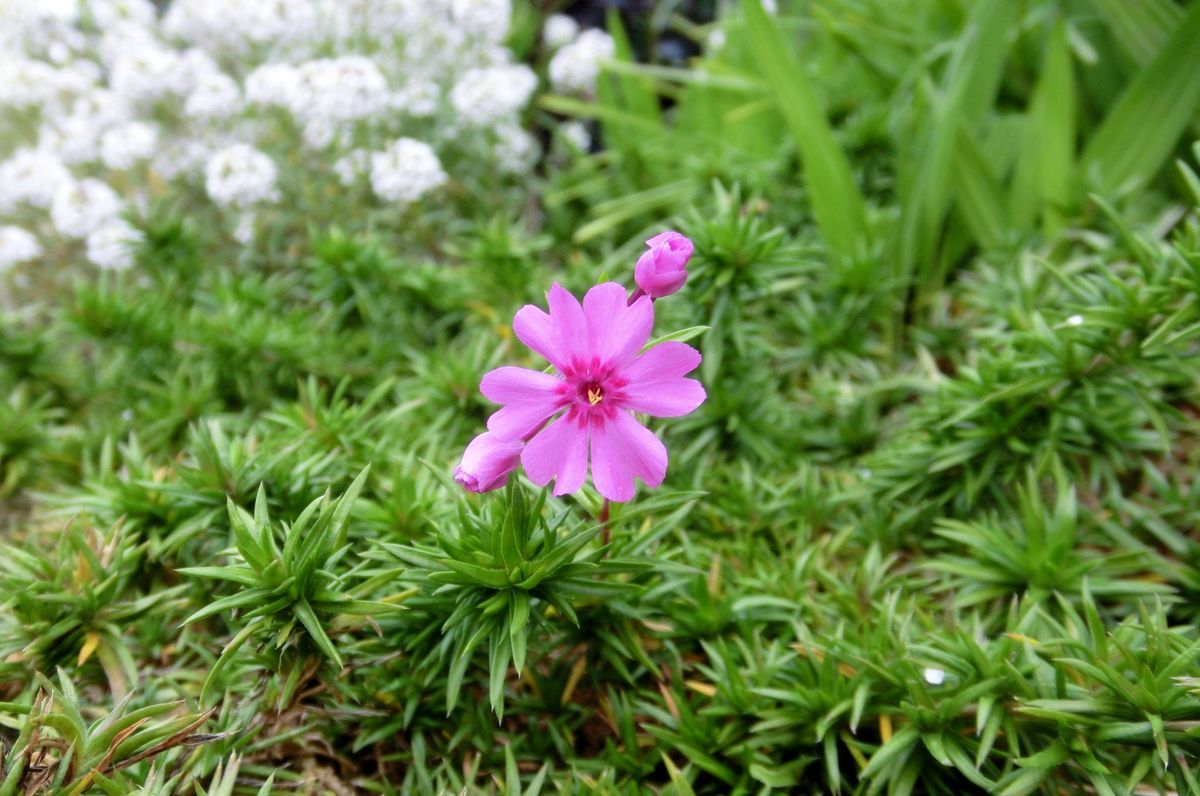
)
(529, 398)
(509, 384)
(621, 449)
(656, 384)
(569, 323)
(617, 330)
(558, 452)
(537, 330)
(668, 398)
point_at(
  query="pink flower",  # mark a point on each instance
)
(486, 463)
(663, 270)
(602, 379)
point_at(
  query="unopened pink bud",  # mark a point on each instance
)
(663, 270)
(486, 463)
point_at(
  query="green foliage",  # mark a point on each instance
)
(292, 590)
(500, 573)
(58, 751)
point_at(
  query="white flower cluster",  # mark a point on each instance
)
(492, 94)
(104, 101)
(405, 171)
(110, 247)
(82, 207)
(240, 176)
(17, 246)
(575, 67)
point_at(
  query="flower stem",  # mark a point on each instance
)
(606, 535)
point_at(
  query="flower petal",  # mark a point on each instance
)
(617, 330)
(558, 452)
(667, 398)
(570, 325)
(621, 449)
(536, 329)
(529, 398)
(510, 384)
(656, 384)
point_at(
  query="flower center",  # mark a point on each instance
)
(594, 394)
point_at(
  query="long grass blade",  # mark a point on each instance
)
(1137, 136)
(1046, 166)
(837, 204)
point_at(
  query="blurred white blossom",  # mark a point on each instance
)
(31, 176)
(122, 147)
(406, 171)
(81, 207)
(214, 96)
(486, 19)
(574, 68)
(17, 245)
(484, 96)
(239, 176)
(559, 29)
(111, 246)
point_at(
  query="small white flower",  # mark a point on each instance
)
(575, 67)
(1075, 320)
(215, 96)
(149, 72)
(419, 98)
(320, 133)
(576, 133)
(183, 156)
(485, 96)
(559, 30)
(122, 147)
(934, 676)
(352, 166)
(347, 88)
(516, 151)
(107, 13)
(406, 171)
(485, 19)
(17, 245)
(25, 83)
(243, 233)
(111, 246)
(274, 84)
(79, 209)
(31, 176)
(240, 176)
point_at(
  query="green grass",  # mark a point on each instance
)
(933, 531)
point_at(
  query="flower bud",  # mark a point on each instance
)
(486, 463)
(663, 270)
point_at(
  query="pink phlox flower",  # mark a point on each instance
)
(603, 378)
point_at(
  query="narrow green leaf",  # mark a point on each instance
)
(1141, 27)
(1136, 137)
(838, 206)
(1046, 165)
(308, 618)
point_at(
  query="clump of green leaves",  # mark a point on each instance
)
(500, 570)
(290, 595)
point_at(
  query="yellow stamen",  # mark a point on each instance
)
(595, 396)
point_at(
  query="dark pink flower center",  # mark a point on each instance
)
(591, 391)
